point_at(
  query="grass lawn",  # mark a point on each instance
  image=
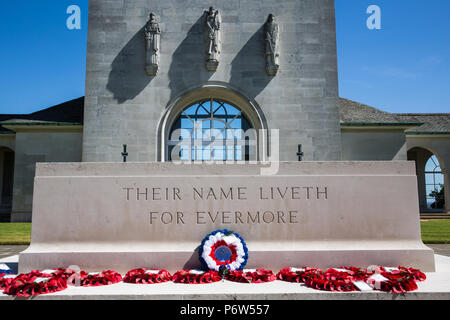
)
(436, 231)
(15, 233)
(433, 231)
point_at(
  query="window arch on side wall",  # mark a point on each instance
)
(434, 184)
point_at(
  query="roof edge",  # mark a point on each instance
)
(29, 123)
(427, 133)
(381, 124)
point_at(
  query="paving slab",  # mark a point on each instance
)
(441, 249)
(11, 250)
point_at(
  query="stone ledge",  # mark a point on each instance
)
(436, 287)
(143, 169)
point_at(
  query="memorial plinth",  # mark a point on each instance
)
(322, 214)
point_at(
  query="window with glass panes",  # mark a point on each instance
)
(434, 184)
(216, 132)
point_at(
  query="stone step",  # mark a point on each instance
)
(434, 216)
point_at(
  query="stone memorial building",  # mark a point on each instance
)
(154, 67)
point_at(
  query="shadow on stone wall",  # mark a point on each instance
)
(248, 68)
(193, 262)
(187, 67)
(128, 77)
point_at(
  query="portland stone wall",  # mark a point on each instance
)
(124, 105)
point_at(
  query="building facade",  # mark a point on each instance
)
(155, 67)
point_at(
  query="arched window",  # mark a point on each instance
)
(6, 183)
(434, 184)
(208, 130)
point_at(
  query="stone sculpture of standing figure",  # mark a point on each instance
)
(272, 39)
(214, 41)
(153, 43)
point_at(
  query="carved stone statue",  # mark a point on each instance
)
(153, 43)
(272, 39)
(214, 40)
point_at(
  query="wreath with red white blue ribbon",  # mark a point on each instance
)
(223, 250)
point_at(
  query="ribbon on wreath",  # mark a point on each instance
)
(194, 276)
(147, 276)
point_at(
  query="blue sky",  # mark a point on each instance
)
(404, 67)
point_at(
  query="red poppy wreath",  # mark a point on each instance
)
(147, 276)
(251, 276)
(196, 276)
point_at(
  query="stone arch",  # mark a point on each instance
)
(7, 162)
(421, 155)
(216, 90)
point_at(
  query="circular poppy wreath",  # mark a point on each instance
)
(392, 284)
(298, 275)
(6, 280)
(251, 276)
(95, 279)
(193, 276)
(147, 276)
(223, 249)
(27, 285)
(395, 280)
(351, 273)
(416, 274)
(337, 279)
